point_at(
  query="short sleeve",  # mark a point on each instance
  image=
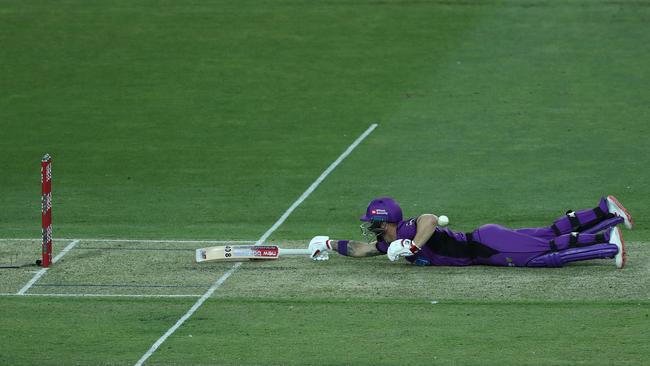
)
(407, 229)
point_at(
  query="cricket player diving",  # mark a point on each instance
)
(577, 236)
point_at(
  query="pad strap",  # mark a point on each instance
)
(600, 214)
(556, 230)
(573, 219)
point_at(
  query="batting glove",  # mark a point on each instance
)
(401, 248)
(319, 246)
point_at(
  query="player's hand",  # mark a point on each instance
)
(401, 248)
(318, 247)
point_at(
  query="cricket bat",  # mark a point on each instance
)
(234, 253)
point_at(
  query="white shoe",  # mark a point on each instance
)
(617, 209)
(615, 237)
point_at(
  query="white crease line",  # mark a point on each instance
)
(31, 282)
(64, 251)
(268, 233)
(101, 295)
(42, 271)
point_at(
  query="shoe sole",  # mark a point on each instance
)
(629, 223)
(621, 256)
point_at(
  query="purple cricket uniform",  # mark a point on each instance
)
(574, 237)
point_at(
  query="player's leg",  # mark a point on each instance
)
(572, 221)
(609, 213)
(604, 225)
(559, 259)
(576, 221)
(513, 248)
(496, 245)
(580, 246)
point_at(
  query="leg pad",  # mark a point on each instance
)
(559, 259)
(604, 225)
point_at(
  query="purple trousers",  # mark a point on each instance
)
(577, 236)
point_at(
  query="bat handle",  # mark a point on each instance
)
(294, 251)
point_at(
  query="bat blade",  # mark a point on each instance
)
(234, 253)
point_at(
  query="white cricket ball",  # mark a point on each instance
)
(443, 220)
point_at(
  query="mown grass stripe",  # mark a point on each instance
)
(140, 249)
(100, 295)
(116, 285)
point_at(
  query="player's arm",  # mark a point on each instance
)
(320, 246)
(426, 226)
(354, 248)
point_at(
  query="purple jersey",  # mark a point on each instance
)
(444, 248)
(579, 235)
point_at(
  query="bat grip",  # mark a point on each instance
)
(294, 251)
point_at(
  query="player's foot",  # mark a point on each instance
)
(615, 237)
(617, 209)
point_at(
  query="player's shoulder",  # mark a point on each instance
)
(407, 225)
(407, 228)
(413, 221)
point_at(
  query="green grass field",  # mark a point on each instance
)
(172, 123)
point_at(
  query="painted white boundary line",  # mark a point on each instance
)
(268, 233)
(40, 273)
(317, 183)
(102, 295)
